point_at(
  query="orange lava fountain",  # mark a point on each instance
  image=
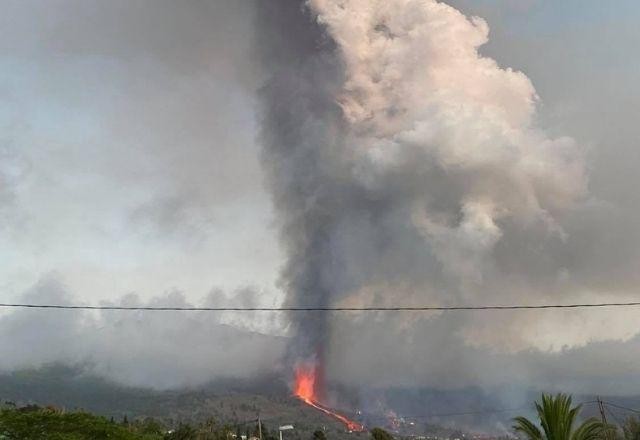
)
(305, 391)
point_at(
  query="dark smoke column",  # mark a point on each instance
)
(300, 127)
(405, 167)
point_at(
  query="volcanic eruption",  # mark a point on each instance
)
(305, 390)
(398, 157)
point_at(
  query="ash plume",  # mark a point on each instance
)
(406, 168)
(301, 119)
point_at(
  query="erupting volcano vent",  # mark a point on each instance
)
(305, 383)
(405, 168)
(305, 390)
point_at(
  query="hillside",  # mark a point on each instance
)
(72, 389)
(237, 403)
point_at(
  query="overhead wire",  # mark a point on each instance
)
(622, 407)
(322, 309)
(611, 413)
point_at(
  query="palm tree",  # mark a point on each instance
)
(557, 419)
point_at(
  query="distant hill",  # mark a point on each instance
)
(238, 402)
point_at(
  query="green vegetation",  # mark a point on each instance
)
(37, 423)
(34, 423)
(631, 429)
(319, 435)
(380, 434)
(558, 419)
(228, 402)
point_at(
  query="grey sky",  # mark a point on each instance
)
(129, 161)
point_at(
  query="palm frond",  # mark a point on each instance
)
(557, 420)
(526, 427)
(590, 429)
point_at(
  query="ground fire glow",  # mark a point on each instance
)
(304, 389)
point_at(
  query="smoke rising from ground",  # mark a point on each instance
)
(409, 169)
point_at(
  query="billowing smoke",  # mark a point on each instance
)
(160, 350)
(406, 167)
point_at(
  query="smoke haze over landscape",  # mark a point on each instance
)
(322, 153)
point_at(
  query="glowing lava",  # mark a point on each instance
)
(305, 383)
(305, 390)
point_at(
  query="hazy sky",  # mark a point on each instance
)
(130, 163)
(129, 158)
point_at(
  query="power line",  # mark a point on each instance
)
(587, 402)
(622, 407)
(611, 413)
(326, 309)
(603, 415)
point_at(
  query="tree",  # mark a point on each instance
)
(148, 426)
(557, 419)
(266, 434)
(30, 423)
(631, 429)
(319, 435)
(381, 434)
(183, 432)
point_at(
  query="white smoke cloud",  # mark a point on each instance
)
(415, 86)
(161, 350)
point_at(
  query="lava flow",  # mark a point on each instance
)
(305, 391)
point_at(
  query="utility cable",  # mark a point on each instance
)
(323, 309)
